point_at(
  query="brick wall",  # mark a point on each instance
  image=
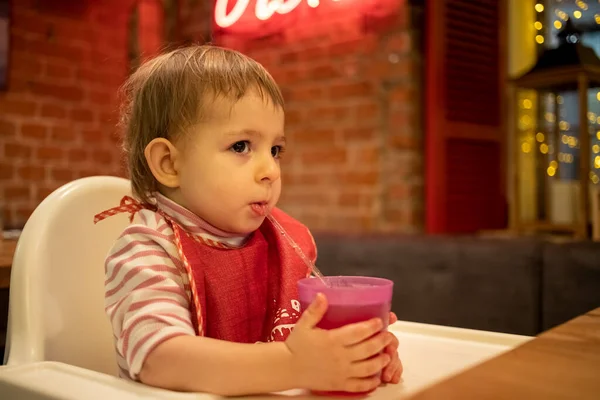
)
(57, 118)
(352, 87)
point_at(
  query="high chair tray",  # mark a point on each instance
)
(430, 353)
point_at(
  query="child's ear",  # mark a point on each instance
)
(162, 156)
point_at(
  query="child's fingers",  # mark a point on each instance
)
(370, 347)
(356, 333)
(391, 370)
(370, 367)
(393, 318)
(314, 313)
(393, 345)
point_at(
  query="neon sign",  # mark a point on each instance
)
(263, 10)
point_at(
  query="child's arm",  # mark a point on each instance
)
(199, 364)
(312, 358)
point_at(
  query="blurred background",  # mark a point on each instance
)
(451, 145)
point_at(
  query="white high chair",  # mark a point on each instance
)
(56, 305)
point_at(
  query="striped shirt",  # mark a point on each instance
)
(147, 292)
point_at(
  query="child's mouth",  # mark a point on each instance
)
(260, 209)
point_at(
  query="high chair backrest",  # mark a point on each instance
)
(56, 304)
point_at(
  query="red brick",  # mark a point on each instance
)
(93, 135)
(23, 64)
(330, 155)
(315, 137)
(24, 212)
(77, 155)
(326, 113)
(368, 155)
(323, 72)
(61, 174)
(81, 115)
(50, 153)
(302, 94)
(45, 191)
(368, 111)
(62, 134)
(33, 131)
(59, 71)
(31, 173)
(351, 199)
(53, 111)
(350, 90)
(7, 171)
(62, 92)
(25, 108)
(15, 151)
(404, 141)
(102, 156)
(360, 177)
(7, 129)
(100, 97)
(17, 192)
(356, 134)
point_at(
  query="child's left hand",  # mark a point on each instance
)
(393, 371)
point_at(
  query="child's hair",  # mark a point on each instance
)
(171, 92)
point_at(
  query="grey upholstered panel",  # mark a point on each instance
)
(571, 281)
(466, 282)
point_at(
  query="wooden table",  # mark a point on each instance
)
(7, 251)
(562, 363)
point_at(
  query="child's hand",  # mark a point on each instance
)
(344, 359)
(393, 371)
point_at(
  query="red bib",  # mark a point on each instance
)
(249, 294)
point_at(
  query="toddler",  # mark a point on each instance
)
(201, 294)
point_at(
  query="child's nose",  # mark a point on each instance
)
(268, 170)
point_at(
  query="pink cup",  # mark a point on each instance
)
(351, 299)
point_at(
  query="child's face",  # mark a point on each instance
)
(229, 173)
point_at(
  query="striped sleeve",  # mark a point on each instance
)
(146, 292)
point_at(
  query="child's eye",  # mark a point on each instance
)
(241, 147)
(277, 151)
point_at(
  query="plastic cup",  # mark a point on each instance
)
(351, 299)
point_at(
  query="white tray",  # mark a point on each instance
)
(429, 353)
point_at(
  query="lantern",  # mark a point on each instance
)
(556, 139)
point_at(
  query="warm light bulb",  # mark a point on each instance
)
(538, 25)
(557, 24)
(527, 104)
(596, 149)
(539, 39)
(526, 147)
(577, 14)
(539, 137)
(551, 171)
(539, 7)
(544, 148)
(553, 164)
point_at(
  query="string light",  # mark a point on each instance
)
(544, 148)
(526, 147)
(577, 14)
(539, 7)
(596, 149)
(539, 137)
(539, 39)
(538, 25)
(557, 24)
(551, 171)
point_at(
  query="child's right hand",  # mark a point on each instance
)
(345, 359)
